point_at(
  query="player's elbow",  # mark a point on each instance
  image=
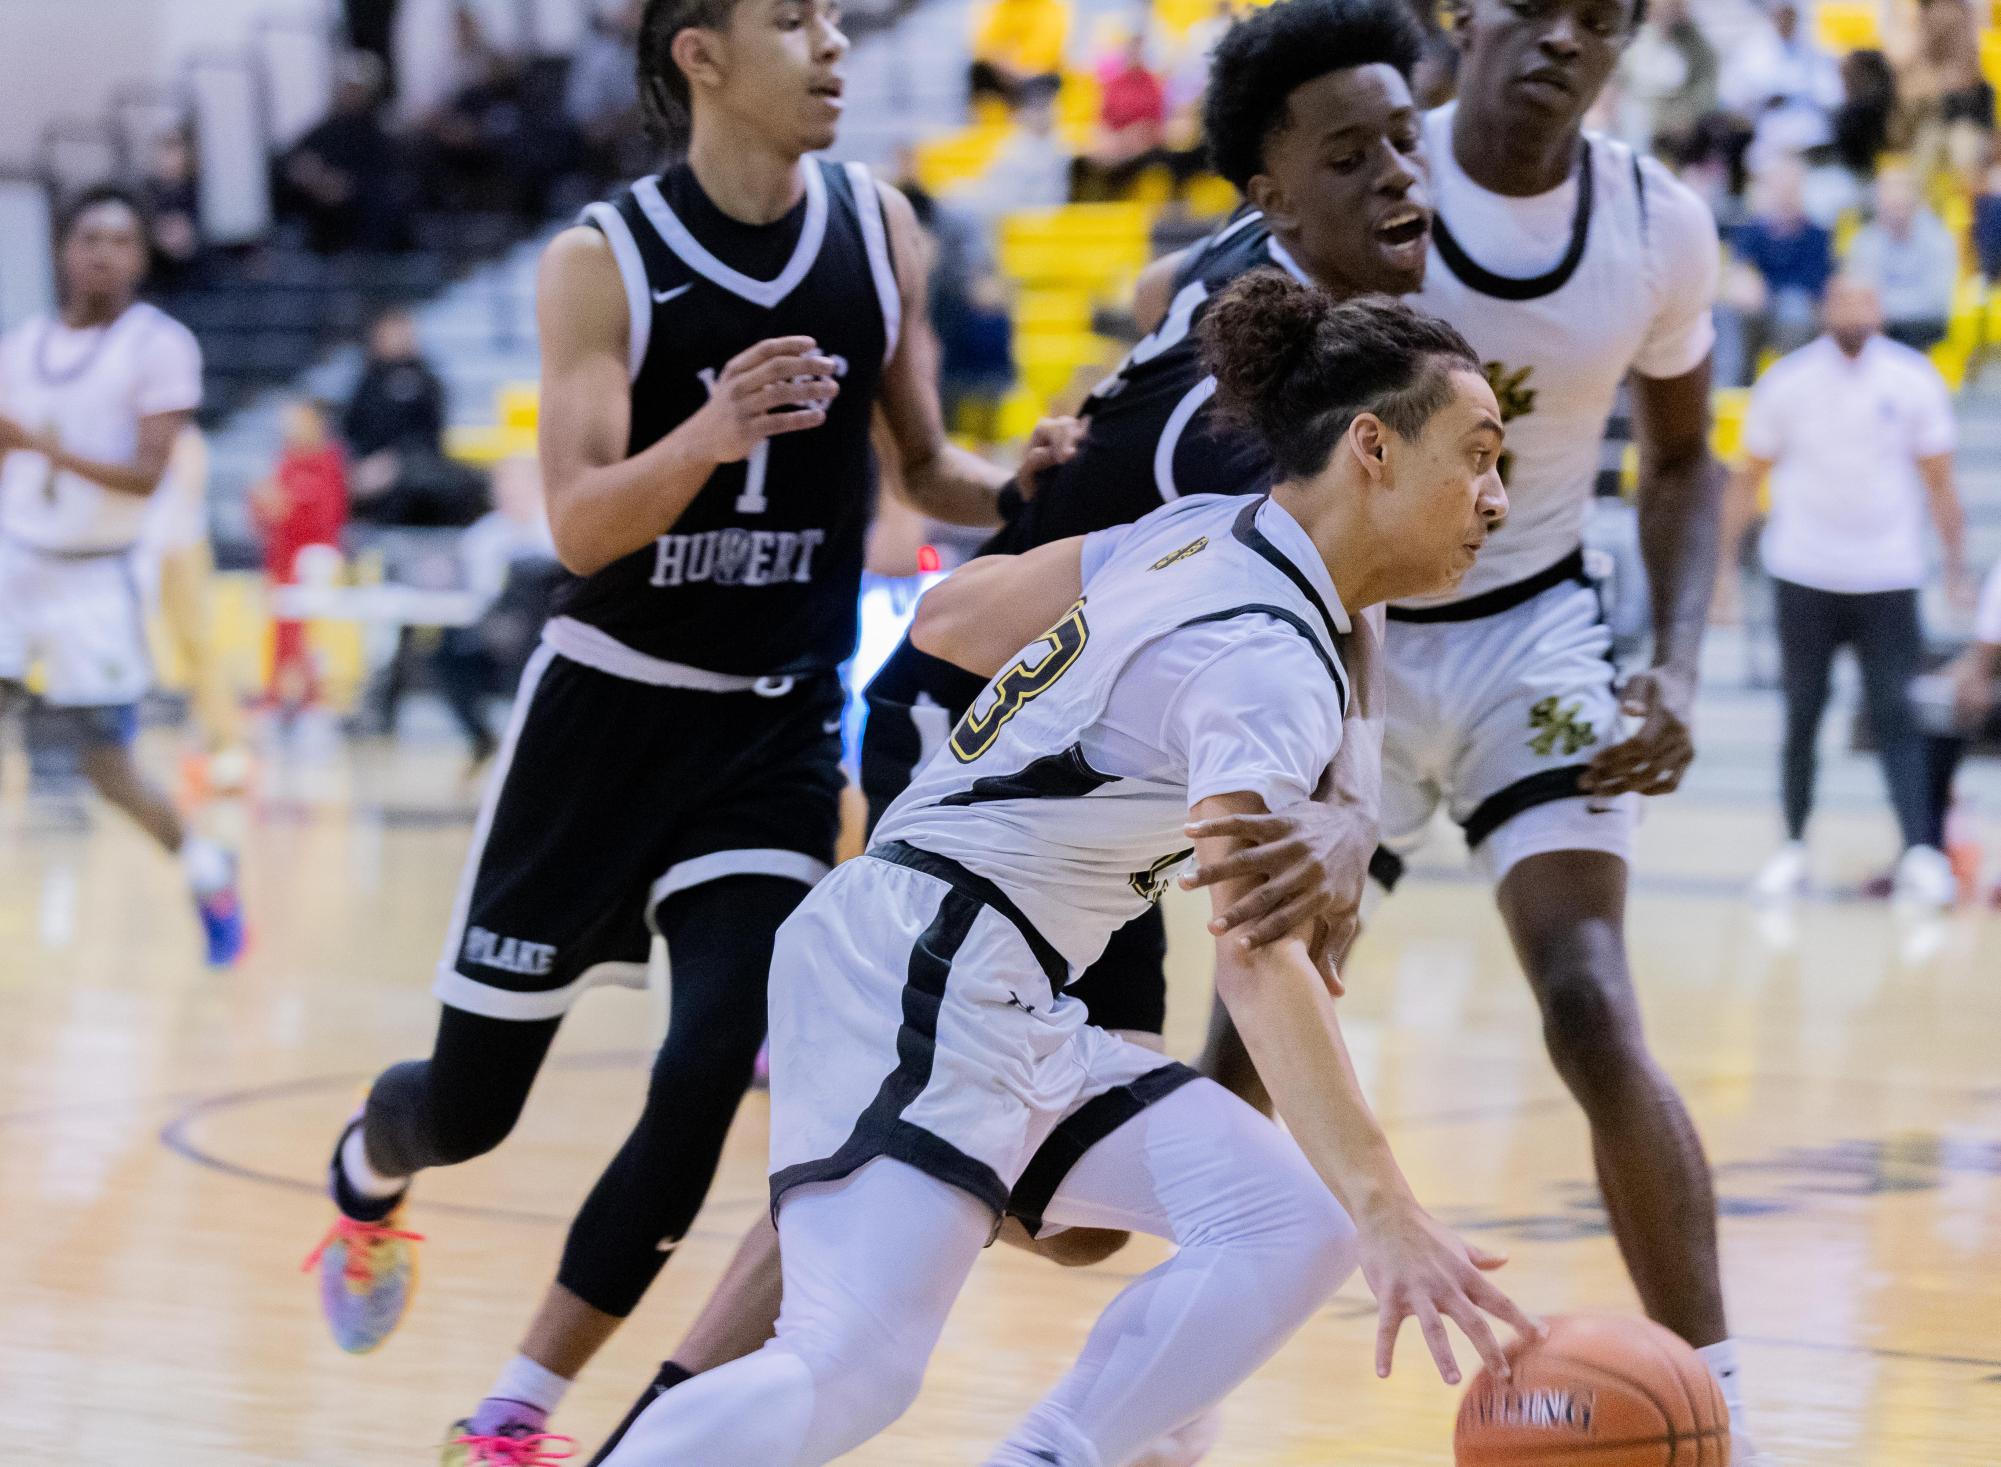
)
(941, 624)
(578, 551)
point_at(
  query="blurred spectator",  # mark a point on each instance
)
(1783, 261)
(1779, 62)
(1670, 73)
(1948, 101)
(1971, 711)
(1032, 168)
(303, 505)
(508, 559)
(394, 425)
(1018, 43)
(497, 142)
(347, 177)
(1987, 221)
(1187, 74)
(1909, 255)
(1132, 101)
(1866, 114)
(371, 27)
(968, 308)
(601, 96)
(168, 190)
(1856, 434)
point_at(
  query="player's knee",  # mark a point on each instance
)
(1592, 1038)
(864, 1378)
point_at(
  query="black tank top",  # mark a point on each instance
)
(1153, 434)
(762, 572)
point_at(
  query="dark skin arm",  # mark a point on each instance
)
(1681, 508)
(940, 479)
(139, 477)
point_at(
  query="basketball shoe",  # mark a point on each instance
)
(367, 1264)
(505, 1434)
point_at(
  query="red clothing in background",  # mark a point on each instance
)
(1132, 96)
(314, 487)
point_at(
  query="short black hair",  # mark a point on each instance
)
(1270, 53)
(663, 89)
(82, 203)
(1296, 367)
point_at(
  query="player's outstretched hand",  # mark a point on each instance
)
(1054, 441)
(782, 385)
(1314, 859)
(1658, 754)
(1415, 1265)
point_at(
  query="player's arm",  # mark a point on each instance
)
(1289, 1025)
(941, 479)
(140, 476)
(986, 611)
(604, 505)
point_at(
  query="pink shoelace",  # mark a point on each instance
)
(516, 1451)
(361, 1238)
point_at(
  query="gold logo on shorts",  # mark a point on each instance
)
(1193, 547)
(1555, 724)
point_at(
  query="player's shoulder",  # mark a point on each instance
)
(1665, 202)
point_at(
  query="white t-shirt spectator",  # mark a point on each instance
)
(1844, 437)
(1987, 620)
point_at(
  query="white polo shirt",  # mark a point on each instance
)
(1844, 438)
(1987, 620)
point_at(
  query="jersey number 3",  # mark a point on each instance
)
(752, 500)
(1021, 681)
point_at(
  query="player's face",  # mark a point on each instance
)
(1531, 63)
(104, 253)
(786, 60)
(1343, 184)
(1447, 486)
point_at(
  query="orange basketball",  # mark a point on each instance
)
(1599, 1391)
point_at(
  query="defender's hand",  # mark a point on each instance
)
(1314, 859)
(1658, 754)
(1054, 441)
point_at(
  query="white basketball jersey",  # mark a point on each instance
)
(1562, 294)
(90, 388)
(1201, 660)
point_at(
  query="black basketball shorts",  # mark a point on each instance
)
(609, 796)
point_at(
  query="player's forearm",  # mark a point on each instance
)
(603, 513)
(1681, 512)
(137, 479)
(955, 486)
(1286, 1018)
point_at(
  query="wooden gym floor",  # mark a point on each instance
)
(163, 1133)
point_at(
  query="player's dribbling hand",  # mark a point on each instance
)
(1417, 1266)
(1658, 754)
(778, 386)
(1314, 858)
(1054, 441)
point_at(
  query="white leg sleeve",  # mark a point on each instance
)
(1262, 1246)
(872, 1266)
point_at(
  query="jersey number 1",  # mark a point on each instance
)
(1020, 682)
(752, 500)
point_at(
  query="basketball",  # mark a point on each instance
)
(1598, 1391)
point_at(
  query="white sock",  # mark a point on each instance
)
(207, 865)
(521, 1379)
(364, 1178)
(1721, 1358)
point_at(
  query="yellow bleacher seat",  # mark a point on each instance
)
(1038, 312)
(1046, 365)
(1209, 196)
(486, 444)
(520, 405)
(1848, 25)
(1174, 19)
(1726, 421)
(945, 162)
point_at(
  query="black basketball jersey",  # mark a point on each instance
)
(762, 573)
(1153, 436)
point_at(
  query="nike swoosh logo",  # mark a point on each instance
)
(661, 297)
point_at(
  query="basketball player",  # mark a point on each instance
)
(1309, 112)
(713, 344)
(1571, 264)
(923, 1039)
(91, 402)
